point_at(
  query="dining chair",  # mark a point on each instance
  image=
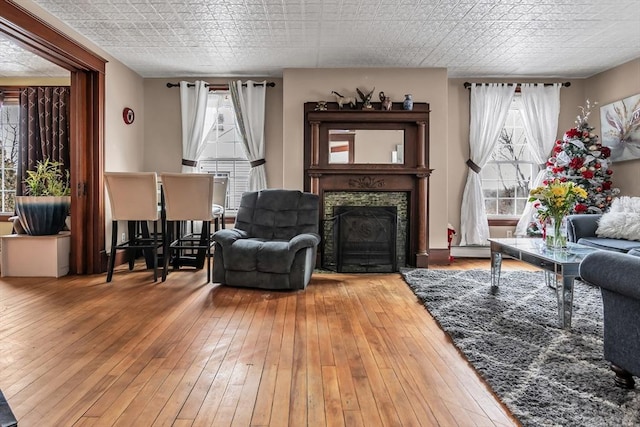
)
(219, 206)
(133, 197)
(188, 199)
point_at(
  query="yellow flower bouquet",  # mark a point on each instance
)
(554, 201)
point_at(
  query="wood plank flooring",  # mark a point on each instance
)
(351, 350)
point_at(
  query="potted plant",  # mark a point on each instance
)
(44, 209)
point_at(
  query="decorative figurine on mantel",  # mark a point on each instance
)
(385, 102)
(366, 99)
(342, 100)
(321, 106)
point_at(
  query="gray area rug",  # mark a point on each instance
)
(545, 375)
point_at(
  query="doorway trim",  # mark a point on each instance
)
(86, 129)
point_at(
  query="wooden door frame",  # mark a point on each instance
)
(86, 128)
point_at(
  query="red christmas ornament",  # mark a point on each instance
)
(580, 208)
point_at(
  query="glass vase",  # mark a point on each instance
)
(556, 236)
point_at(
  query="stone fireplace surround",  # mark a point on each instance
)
(369, 183)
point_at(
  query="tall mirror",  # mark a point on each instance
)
(366, 146)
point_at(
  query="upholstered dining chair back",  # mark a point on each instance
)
(220, 186)
(188, 196)
(219, 207)
(133, 196)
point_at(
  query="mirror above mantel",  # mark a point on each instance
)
(368, 146)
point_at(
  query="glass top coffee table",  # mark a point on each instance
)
(561, 263)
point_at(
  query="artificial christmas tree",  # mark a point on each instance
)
(579, 157)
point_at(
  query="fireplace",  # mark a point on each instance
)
(365, 239)
(387, 166)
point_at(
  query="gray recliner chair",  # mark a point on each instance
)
(618, 276)
(273, 244)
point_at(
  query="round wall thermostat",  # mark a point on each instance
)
(128, 115)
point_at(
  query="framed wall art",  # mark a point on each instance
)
(620, 128)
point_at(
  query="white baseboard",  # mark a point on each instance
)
(471, 251)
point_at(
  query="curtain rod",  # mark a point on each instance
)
(467, 85)
(220, 86)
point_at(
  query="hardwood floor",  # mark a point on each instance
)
(351, 350)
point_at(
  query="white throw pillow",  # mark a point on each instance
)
(622, 221)
(625, 204)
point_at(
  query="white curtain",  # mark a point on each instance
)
(195, 123)
(249, 104)
(540, 111)
(490, 104)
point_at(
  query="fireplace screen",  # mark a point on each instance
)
(365, 238)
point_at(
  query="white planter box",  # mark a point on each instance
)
(35, 256)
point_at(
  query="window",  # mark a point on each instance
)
(9, 144)
(506, 178)
(224, 153)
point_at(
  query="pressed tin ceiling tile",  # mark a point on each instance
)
(471, 38)
(17, 62)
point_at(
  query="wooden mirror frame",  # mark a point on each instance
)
(410, 176)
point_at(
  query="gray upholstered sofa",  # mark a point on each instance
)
(273, 243)
(618, 276)
(581, 228)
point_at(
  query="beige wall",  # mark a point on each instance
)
(426, 85)
(152, 141)
(449, 124)
(163, 135)
(607, 87)
(124, 144)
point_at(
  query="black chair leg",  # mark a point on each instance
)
(112, 256)
(155, 251)
(132, 228)
(166, 251)
(206, 228)
(179, 228)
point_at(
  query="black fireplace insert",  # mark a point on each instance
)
(365, 239)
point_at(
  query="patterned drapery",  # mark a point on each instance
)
(44, 128)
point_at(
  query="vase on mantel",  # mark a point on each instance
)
(408, 102)
(556, 232)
